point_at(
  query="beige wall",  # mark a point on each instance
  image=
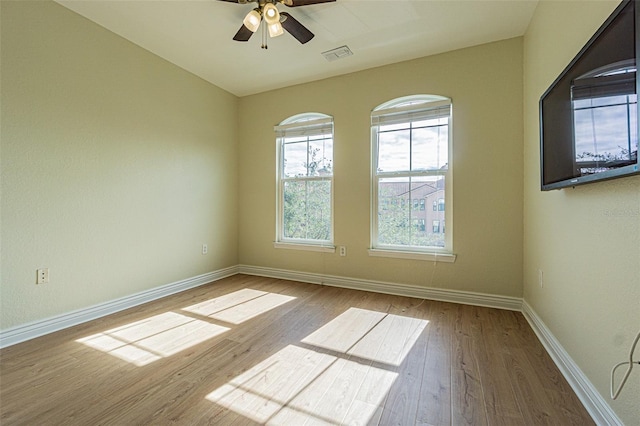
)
(485, 84)
(116, 166)
(585, 240)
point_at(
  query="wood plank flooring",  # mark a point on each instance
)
(250, 350)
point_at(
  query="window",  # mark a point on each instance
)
(305, 182)
(411, 142)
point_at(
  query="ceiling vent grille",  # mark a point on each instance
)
(337, 53)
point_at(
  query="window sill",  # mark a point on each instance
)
(414, 255)
(305, 247)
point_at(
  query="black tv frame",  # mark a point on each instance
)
(624, 171)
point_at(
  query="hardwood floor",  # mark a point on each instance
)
(250, 350)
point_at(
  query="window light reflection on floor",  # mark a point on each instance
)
(148, 340)
(360, 332)
(239, 306)
(345, 382)
(143, 342)
(297, 383)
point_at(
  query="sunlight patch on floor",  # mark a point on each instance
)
(143, 342)
(297, 384)
(239, 306)
(153, 338)
(377, 336)
(340, 374)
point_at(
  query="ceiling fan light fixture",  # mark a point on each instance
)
(275, 30)
(252, 20)
(271, 14)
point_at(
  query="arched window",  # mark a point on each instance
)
(411, 167)
(305, 182)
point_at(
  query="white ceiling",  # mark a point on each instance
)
(197, 35)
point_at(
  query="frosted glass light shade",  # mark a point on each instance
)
(252, 20)
(275, 29)
(271, 14)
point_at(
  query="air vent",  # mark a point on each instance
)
(337, 53)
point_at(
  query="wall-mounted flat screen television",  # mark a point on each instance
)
(589, 115)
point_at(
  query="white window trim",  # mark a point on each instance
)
(291, 123)
(423, 102)
(287, 124)
(414, 255)
(305, 246)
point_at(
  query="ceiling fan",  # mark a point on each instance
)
(275, 21)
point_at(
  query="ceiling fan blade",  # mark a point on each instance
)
(295, 3)
(295, 28)
(237, 1)
(243, 34)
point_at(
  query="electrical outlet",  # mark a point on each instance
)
(343, 251)
(42, 276)
(205, 249)
(540, 278)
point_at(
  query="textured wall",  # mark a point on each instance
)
(116, 166)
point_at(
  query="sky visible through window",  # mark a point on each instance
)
(308, 156)
(420, 145)
(605, 117)
(605, 128)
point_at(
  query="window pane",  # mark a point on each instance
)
(399, 223)
(393, 151)
(295, 159)
(319, 210)
(431, 190)
(430, 148)
(320, 157)
(394, 211)
(307, 210)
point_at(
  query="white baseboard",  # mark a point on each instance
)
(49, 325)
(39, 328)
(453, 296)
(593, 402)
